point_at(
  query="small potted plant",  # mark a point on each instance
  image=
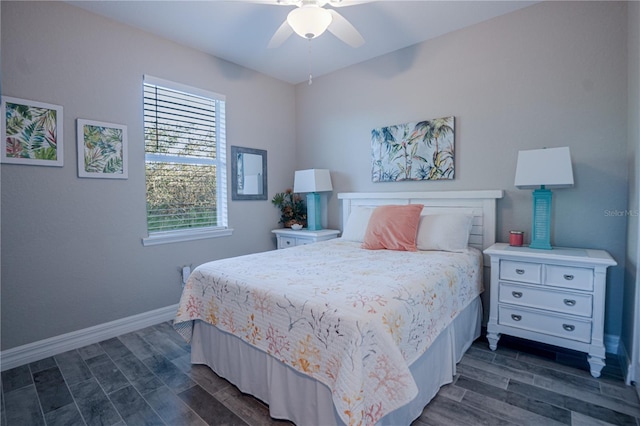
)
(292, 208)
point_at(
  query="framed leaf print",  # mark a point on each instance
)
(422, 150)
(31, 133)
(102, 150)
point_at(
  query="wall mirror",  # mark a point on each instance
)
(248, 173)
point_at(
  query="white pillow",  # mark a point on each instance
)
(446, 232)
(357, 223)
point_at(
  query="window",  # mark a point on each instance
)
(185, 162)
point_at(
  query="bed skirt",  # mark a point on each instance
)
(305, 401)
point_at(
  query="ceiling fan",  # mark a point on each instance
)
(310, 19)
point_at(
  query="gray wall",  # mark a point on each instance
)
(72, 255)
(553, 74)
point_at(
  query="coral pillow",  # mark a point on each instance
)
(393, 228)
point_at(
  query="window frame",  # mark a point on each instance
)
(191, 234)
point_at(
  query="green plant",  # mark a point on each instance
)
(292, 208)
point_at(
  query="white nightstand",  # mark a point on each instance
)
(550, 296)
(289, 238)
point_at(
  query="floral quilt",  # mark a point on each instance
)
(351, 318)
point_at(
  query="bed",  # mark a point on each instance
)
(332, 333)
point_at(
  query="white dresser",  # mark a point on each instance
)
(289, 238)
(552, 296)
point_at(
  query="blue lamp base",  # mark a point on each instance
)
(314, 221)
(541, 226)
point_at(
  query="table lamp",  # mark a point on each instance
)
(546, 168)
(312, 182)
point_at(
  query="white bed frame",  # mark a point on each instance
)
(480, 204)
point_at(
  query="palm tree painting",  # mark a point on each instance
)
(31, 132)
(102, 150)
(422, 150)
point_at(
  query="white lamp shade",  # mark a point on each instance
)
(550, 167)
(312, 180)
(309, 22)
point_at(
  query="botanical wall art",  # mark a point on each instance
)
(420, 150)
(102, 150)
(31, 133)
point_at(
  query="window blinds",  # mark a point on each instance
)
(182, 153)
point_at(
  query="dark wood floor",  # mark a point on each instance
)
(145, 378)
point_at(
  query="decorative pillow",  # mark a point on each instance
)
(393, 228)
(446, 232)
(357, 223)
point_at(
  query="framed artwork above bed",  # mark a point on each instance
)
(422, 150)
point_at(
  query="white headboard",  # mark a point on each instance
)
(481, 204)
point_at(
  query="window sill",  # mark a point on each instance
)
(185, 235)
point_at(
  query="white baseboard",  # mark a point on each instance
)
(612, 344)
(41, 349)
(625, 362)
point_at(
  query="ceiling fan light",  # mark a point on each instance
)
(309, 22)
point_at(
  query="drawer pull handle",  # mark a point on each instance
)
(569, 302)
(568, 327)
(568, 277)
(516, 294)
(516, 317)
(519, 271)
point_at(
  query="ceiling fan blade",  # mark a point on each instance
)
(343, 29)
(281, 35)
(344, 3)
(272, 2)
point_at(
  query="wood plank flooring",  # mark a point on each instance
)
(145, 378)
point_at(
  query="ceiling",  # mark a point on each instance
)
(239, 31)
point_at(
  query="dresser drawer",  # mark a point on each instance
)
(545, 298)
(289, 238)
(569, 277)
(287, 242)
(521, 271)
(542, 322)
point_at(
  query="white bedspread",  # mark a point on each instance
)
(351, 318)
